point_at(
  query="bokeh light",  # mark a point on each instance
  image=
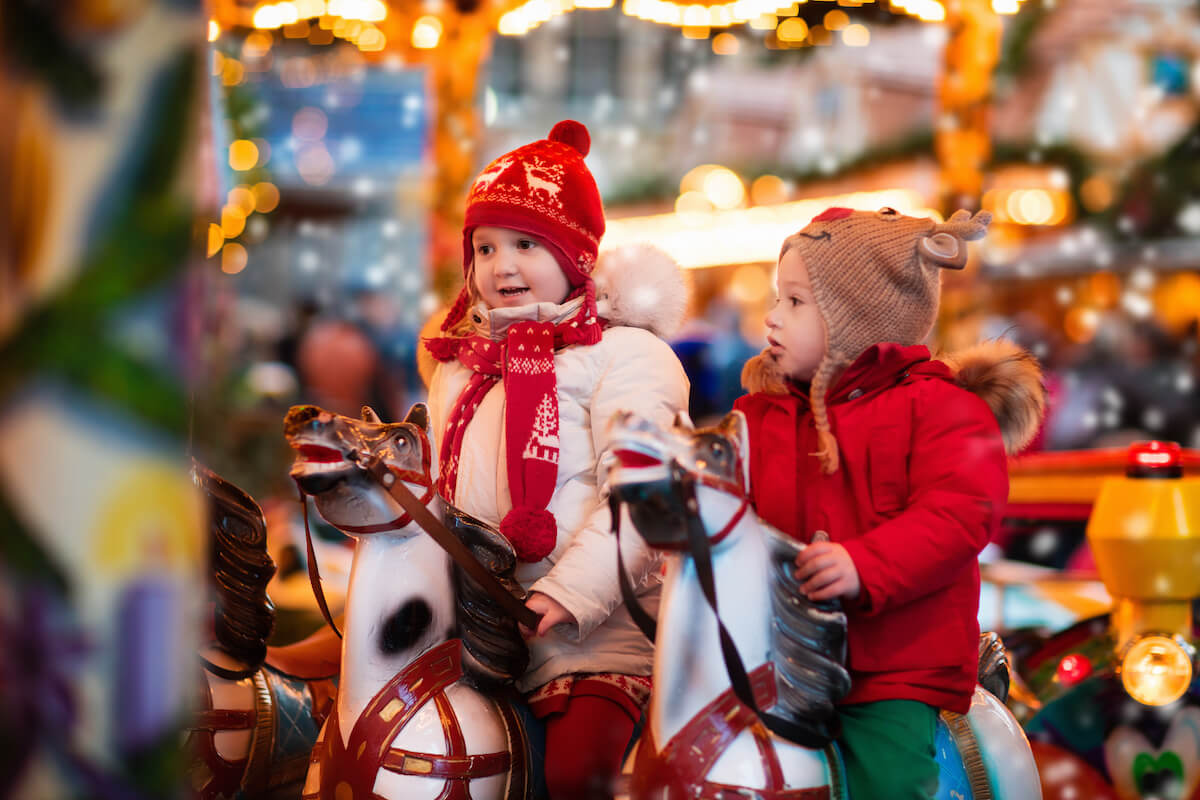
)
(724, 188)
(243, 155)
(233, 258)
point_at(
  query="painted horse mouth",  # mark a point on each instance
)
(319, 454)
(634, 459)
(318, 466)
(638, 460)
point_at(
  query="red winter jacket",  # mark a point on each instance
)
(918, 493)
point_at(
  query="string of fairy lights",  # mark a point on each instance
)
(357, 20)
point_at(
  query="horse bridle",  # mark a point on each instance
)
(415, 510)
(699, 543)
(364, 460)
(731, 487)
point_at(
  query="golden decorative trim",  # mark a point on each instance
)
(394, 707)
(417, 766)
(972, 758)
(262, 742)
(837, 789)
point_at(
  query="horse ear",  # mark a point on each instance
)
(418, 415)
(683, 420)
(735, 425)
(369, 415)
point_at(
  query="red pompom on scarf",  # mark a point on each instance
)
(532, 531)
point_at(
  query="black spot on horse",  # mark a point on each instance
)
(405, 627)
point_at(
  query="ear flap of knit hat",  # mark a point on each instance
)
(445, 348)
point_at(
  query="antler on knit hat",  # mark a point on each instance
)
(543, 189)
(876, 277)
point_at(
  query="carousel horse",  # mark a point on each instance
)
(701, 740)
(260, 707)
(418, 714)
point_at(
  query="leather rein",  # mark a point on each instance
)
(415, 510)
(699, 546)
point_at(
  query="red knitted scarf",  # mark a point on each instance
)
(525, 362)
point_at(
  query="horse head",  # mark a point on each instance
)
(333, 456)
(654, 466)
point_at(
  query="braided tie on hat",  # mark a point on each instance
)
(827, 448)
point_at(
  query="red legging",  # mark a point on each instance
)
(584, 746)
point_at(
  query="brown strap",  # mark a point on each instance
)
(314, 573)
(451, 544)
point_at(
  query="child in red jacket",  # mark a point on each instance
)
(899, 459)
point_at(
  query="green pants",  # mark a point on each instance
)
(887, 748)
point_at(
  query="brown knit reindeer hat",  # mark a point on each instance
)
(876, 277)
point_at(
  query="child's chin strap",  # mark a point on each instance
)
(701, 553)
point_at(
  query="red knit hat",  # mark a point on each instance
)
(543, 189)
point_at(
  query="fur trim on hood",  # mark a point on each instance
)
(641, 286)
(1007, 378)
(762, 374)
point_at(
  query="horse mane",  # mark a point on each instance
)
(494, 652)
(808, 644)
(243, 615)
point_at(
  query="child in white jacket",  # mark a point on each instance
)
(531, 372)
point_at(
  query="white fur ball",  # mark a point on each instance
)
(641, 286)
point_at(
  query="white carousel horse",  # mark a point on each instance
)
(405, 724)
(700, 741)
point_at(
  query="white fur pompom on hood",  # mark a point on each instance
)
(641, 286)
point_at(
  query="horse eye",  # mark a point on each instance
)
(401, 443)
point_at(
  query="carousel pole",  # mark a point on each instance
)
(962, 142)
(454, 72)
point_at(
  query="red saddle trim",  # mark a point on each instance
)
(680, 768)
(223, 719)
(368, 750)
(429, 765)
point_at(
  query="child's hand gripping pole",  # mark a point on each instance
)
(826, 571)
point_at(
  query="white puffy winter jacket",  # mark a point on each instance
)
(630, 368)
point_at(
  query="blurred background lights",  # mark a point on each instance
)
(750, 284)
(856, 35)
(426, 33)
(309, 124)
(1080, 323)
(792, 30)
(216, 238)
(233, 258)
(1189, 219)
(692, 202)
(725, 44)
(836, 19)
(768, 190)
(724, 188)
(266, 197)
(233, 221)
(242, 198)
(314, 164)
(243, 155)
